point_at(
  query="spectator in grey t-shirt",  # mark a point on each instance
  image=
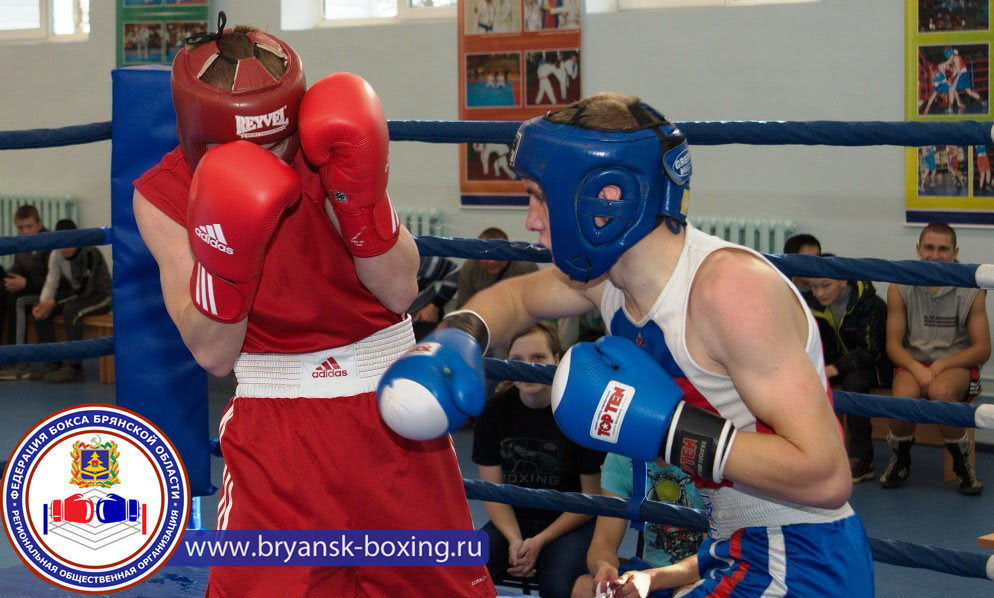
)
(938, 338)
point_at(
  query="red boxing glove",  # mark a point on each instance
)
(77, 508)
(238, 195)
(344, 133)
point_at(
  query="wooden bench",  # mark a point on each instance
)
(93, 327)
(926, 434)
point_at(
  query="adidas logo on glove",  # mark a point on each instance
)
(212, 235)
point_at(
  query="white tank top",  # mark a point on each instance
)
(662, 333)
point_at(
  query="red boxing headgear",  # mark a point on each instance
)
(258, 108)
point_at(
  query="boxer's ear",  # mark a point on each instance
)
(608, 192)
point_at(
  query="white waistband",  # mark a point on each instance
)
(340, 372)
(729, 509)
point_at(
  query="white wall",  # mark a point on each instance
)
(833, 60)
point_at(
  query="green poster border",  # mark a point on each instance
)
(162, 13)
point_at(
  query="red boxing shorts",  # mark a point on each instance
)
(297, 462)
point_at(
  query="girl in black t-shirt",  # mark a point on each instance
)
(516, 441)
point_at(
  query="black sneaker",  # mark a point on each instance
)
(960, 451)
(899, 468)
(861, 469)
(897, 473)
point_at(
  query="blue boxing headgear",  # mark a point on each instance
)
(571, 163)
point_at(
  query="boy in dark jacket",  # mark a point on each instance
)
(78, 285)
(852, 321)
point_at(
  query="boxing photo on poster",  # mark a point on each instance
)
(942, 171)
(493, 80)
(983, 186)
(953, 79)
(552, 77)
(177, 33)
(953, 15)
(489, 162)
(142, 43)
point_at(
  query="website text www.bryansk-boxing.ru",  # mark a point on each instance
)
(329, 548)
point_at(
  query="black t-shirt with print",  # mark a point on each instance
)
(531, 450)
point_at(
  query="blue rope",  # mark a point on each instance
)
(902, 271)
(55, 240)
(482, 249)
(67, 351)
(909, 272)
(36, 138)
(919, 556)
(822, 132)
(519, 371)
(891, 552)
(959, 415)
(588, 504)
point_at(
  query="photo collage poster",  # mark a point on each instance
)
(948, 47)
(517, 59)
(154, 31)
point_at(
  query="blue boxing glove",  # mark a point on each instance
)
(436, 386)
(113, 508)
(614, 397)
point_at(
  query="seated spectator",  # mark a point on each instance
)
(477, 275)
(516, 441)
(852, 320)
(77, 285)
(803, 244)
(937, 337)
(21, 287)
(438, 280)
(662, 545)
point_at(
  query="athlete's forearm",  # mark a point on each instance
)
(214, 345)
(392, 276)
(774, 465)
(674, 576)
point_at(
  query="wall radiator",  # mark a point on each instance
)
(765, 236)
(51, 209)
(422, 221)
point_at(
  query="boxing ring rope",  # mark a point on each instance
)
(835, 133)
(819, 132)
(962, 563)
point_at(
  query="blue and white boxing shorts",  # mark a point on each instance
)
(803, 559)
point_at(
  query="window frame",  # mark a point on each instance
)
(405, 14)
(44, 32)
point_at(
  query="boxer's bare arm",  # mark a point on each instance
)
(214, 345)
(516, 303)
(897, 326)
(765, 355)
(393, 276)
